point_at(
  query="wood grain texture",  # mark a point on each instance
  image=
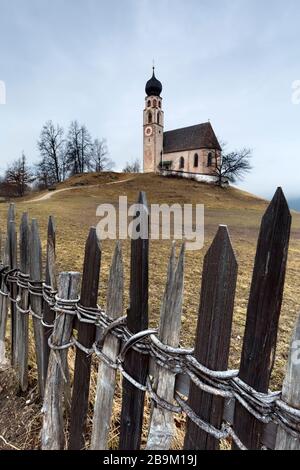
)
(136, 364)
(86, 336)
(263, 313)
(291, 391)
(13, 264)
(213, 335)
(52, 436)
(161, 432)
(3, 312)
(50, 280)
(37, 303)
(22, 320)
(106, 375)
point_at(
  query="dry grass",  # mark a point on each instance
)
(75, 212)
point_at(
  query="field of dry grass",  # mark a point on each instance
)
(75, 212)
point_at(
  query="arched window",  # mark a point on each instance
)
(209, 159)
(149, 117)
(158, 118)
(196, 160)
(159, 104)
(149, 103)
(181, 163)
(154, 103)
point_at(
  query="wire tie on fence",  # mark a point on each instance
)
(22, 280)
(49, 294)
(160, 401)
(133, 340)
(169, 349)
(66, 306)
(99, 353)
(108, 329)
(47, 325)
(35, 315)
(19, 308)
(61, 347)
(87, 351)
(88, 314)
(35, 288)
(130, 379)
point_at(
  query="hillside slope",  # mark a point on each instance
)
(75, 211)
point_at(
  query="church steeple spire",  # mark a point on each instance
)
(153, 86)
(153, 125)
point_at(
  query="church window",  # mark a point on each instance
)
(149, 103)
(159, 104)
(209, 159)
(149, 117)
(154, 103)
(196, 160)
(181, 163)
(158, 118)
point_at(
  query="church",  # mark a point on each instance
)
(191, 152)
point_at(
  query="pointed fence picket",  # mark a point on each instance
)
(219, 404)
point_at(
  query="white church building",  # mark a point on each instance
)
(189, 152)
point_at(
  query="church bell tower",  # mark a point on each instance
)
(153, 125)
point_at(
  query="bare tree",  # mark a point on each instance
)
(100, 160)
(19, 176)
(51, 147)
(44, 174)
(134, 167)
(233, 166)
(79, 146)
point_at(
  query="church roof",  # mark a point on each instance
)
(191, 138)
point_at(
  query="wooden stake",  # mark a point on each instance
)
(22, 319)
(13, 263)
(50, 280)
(213, 335)
(86, 336)
(3, 313)
(162, 430)
(53, 423)
(37, 302)
(136, 364)
(106, 375)
(291, 392)
(264, 307)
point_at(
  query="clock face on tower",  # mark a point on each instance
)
(148, 131)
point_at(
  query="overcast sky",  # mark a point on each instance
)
(230, 61)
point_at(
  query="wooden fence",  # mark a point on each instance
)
(219, 404)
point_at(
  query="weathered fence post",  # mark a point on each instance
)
(213, 335)
(86, 337)
(264, 307)
(51, 285)
(111, 346)
(291, 392)
(136, 364)
(22, 307)
(3, 310)
(13, 263)
(162, 428)
(53, 424)
(36, 301)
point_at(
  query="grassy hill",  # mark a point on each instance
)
(75, 211)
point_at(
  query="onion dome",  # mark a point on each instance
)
(153, 86)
